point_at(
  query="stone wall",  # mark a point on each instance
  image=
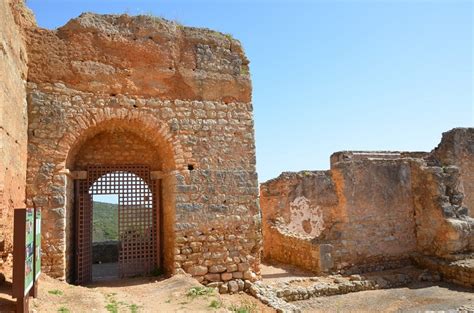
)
(105, 252)
(457, 148)
(444, 227)
(372, 210)
(296, 209)
(376, 215)
(361, 212)
(141, 55)
(128, 90)
(460, 272)
(13, 118)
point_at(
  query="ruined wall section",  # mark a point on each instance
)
(183, 92)
(367, 210)
(443, 224)
(141, 55)
(457, 148)
(389, 206)
(444, 189)
(14, 18)
(376, 213)
(296, 209)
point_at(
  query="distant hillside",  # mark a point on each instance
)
(105, 222)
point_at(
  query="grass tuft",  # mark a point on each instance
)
(245, 307)
(199, 292)
(56, 292)
(215, 304)
(134, 308)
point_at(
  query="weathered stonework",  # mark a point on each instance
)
(141, 90)
(456, 270)
(120, 90)
(140, 55)
(13, 123)
(457, 148)
(373, 210)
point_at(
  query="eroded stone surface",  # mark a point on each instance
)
(140, 55)
(375, 209)
(113, 90)
(14, 18)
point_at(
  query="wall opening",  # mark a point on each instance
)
(116, 240)
(105, 237)
(115, 146)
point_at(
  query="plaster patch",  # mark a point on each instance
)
(305, 218)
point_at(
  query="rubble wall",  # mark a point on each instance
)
(376, 222)
(457, 148)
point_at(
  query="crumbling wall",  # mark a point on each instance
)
(14, 18)
(442, 187)
(384, 208)
(376, 214)
(121, 89)
(457, 148)
(296, 209)
(141, 55)
(360, 213)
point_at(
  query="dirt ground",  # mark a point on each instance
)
(133, 296)
(171, 295)
(415, 298)
(278, 272)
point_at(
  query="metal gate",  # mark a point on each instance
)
(137, 218)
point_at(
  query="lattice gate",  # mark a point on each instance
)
(137, 218)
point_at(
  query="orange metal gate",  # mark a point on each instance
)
(137, 214)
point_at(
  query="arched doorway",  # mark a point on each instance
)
(116, 146)
(138, 219)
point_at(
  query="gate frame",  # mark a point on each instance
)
(82, 185)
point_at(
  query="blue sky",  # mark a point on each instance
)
(332, 75)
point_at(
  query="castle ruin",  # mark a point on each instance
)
(161, 115)
(158, 113)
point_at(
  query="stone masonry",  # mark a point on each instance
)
(113, 90)
(373, 210)
(119, 90)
